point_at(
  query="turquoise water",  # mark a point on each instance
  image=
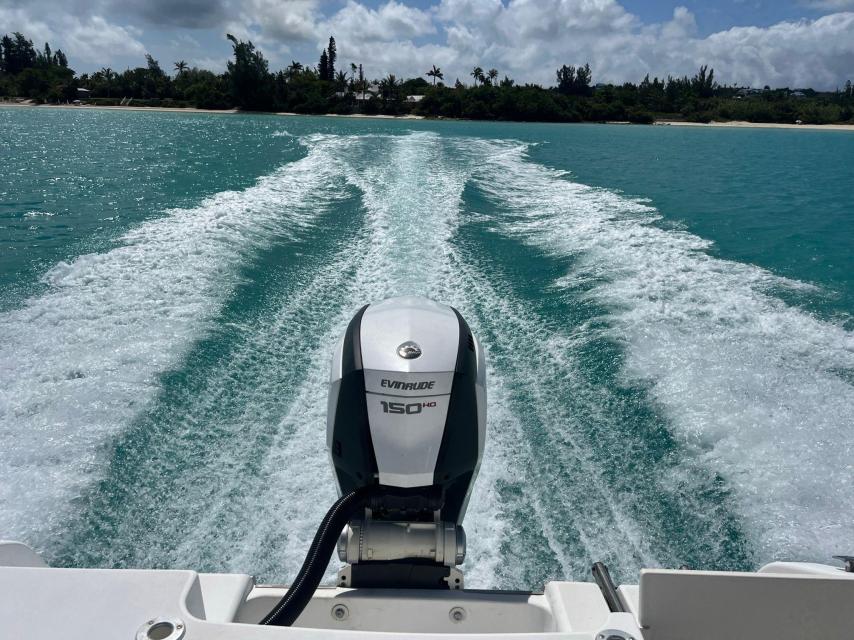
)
(667, 315)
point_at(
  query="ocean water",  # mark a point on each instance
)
(666, 312)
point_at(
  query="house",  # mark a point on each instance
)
(414, 99)
(83, 94)
(747, 91)
(372, 91)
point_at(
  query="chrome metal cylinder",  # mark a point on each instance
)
(367, 540)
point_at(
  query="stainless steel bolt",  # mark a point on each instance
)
(457, 614)
(340, 612)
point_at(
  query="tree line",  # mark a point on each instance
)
(249, 84)
(28, 72)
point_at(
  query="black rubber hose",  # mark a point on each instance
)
(288, 609)
(603, 578)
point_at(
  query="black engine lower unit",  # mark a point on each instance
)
(401, 573)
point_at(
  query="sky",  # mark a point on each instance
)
(794, 43)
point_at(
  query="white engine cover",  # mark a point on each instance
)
(407, 380)
(408, 398)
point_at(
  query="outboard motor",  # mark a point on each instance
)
(406, 427)
(407, 411)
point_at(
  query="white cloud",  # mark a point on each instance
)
(815, 53)
(529, 39)
(469, 11)
(391, 22)
(526, 39)
(282, 20)
(217, 65)
(829, 5)
(89, 39)
(95, 40)
(21, 20)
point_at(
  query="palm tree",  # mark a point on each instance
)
(108, 75)
(341, 80)
(436, 72)
(180, 67)
(493, 74)
(477, 74)
(389, 86)
(293, 69)
(353, 69)
(363, 85)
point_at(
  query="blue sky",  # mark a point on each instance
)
(792, 43)
(723, 14)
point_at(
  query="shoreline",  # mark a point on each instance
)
(743, 124)
(379, 116)
(735, 124)
(83, 107)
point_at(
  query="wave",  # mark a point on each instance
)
(217, 413)
(752, 388)
(253, 420)
(83, 359)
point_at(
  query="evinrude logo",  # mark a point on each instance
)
(409, 350)
(408, 386)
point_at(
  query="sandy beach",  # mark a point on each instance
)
(132, 108)
(195, 110)
(115, 108)
(740, 124)
(735, 124)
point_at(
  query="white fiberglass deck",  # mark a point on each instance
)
(784, 601)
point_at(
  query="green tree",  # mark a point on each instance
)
(574, 82)
(566, 79)
(153, 65)
(583, 79)
(389, 86)
(435, 73)
(180, 67)
(332, 55)
(294, 69)
(703, 83)
(390, 92)
(323, 66)
(492, 74)
(155, 84)
(341, 80)
(17, 53)
(477, 74)
(45, 58)
(249, 77)
(101, 82)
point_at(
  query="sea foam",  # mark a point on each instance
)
(755, 389)
(80, 361)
